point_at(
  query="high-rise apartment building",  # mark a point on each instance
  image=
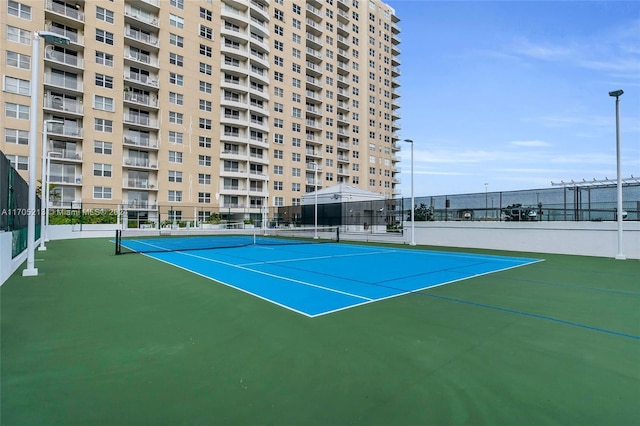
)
(207, 105)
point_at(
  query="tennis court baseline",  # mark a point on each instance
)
(317, 279)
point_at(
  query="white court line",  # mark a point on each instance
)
(277, 276)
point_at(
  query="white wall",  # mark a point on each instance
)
(576, 238)
(8, 265)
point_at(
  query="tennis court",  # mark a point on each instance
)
(155, 338)
(316, 279)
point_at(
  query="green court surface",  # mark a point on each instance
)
(99, 339)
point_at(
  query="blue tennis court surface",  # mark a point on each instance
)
(317, 279)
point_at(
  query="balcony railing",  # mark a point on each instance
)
(64, 58)
(69, 12)
(142, 142)
(61, 104)
(138, 183)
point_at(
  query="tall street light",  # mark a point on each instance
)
(44, 180)
(51, 37)
(617, 94)
(486, 201)
(413, 213)
(315, 214)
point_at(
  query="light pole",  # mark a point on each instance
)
(51, 37)
(617, 94)
(486, 201)
(315, 214)
(413, 213)
(44, 180)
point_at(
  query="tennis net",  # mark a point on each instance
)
(166, 240)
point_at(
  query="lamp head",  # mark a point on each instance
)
(616, 93)
(409, 140)
(54, 38)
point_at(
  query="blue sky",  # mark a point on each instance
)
(515, 93)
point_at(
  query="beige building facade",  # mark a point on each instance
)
(185, 108)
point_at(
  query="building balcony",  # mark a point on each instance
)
(70, 62)
(74, 14)
(140, 58)
(67, 131)
(141, 99)
(65, 155)
(69, 84)
(314, 42)
(60, 104)
(315, 153)
(140, 163)
(140, 120)
(142, 39)
(314, 13)
(73, 36)
(145, 20)
(136, 183)
(137, 142)
(140, 204)
(141, 79)
(75, 180)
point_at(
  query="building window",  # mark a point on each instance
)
(177, 3)
(103, 170)
(104, 81)
(204, 160)
(104, 15)
(101, 147)
(206, 87)
(103, 36)
(204, 142)
(175, 176)
(176, 59)
(102, 125)
(206, 14)
(18, 35)
(19, 137)
(103, 103)
(277, 185)
(208, 52)
(18, 9)
(103, 58)
(204, 123)
(204, 197)
(176, 98)
(176, 137)
(204, 179)
(176, 117)
(176, 79)
(206, 32)
(18, 60)
(18, 111)
(17, 85)
(176, 21)
(102, 192)
(175, 196)
(175, 157)
(176, 40)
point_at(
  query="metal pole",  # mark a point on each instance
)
(413, 201)
(413, 204)
(315, 181)
(619, 256)
(44, 188)
(31, 270)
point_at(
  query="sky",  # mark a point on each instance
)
(509, 95)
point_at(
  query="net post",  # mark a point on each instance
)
(337, 234)
(118, 237)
